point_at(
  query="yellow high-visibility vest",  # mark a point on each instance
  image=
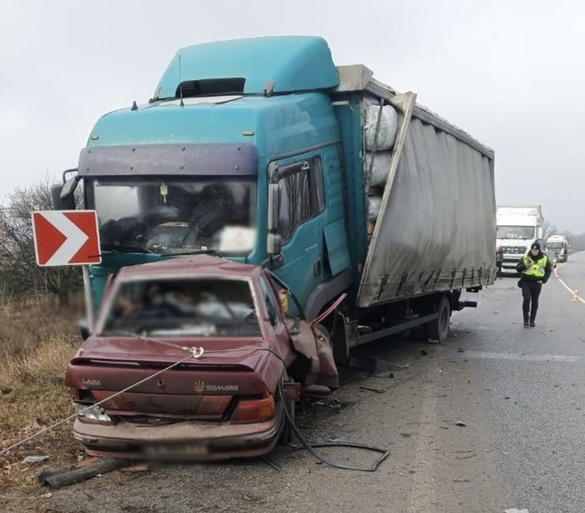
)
(537, 270)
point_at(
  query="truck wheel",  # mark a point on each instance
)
(439, 328)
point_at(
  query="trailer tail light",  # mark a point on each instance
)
(254, 410)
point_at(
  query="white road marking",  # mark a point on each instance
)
(572, 291)
(521, 357)
(514, 510)
(425, 485)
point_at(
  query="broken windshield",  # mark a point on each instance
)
(186, 307)
(175, 215)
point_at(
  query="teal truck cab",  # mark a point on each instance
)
(375, 212)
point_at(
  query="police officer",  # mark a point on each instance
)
(534, 268)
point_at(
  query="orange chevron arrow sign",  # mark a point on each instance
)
(66, 237)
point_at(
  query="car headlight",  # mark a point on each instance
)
(92, 414)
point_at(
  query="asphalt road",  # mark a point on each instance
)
(491, 421)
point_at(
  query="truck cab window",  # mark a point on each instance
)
(301, 195)
(516, 232)
(170, 215)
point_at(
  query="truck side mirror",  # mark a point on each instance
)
(274, 240)
(57, 198)
(69, 188)
(274, 244)
(273, 206)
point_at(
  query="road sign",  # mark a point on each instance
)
(66, 237)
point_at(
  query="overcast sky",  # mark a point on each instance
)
(510, 72)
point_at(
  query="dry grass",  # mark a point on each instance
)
(37, 339)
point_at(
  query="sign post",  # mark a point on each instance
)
(68, 237)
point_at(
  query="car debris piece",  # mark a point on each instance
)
(371, 389)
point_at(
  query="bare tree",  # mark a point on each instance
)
(577, 241)
(548, 229)
(19, 273)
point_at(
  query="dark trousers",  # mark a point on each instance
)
(530, 292)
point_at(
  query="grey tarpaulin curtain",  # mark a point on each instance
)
(437, 231)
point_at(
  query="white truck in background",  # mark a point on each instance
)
(517, 228)
(560, 245)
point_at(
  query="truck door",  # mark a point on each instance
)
(297, 221)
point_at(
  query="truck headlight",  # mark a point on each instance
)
(92, 414)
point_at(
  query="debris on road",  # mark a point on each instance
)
(467, 456)
(65, 477)
(35, 459)
(371, 389)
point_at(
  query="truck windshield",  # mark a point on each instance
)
(516, 232)
(185, 307)
(555, 246)
(175, 214)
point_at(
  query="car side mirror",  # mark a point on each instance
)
(84, 329)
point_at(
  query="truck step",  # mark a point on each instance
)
(466, 304)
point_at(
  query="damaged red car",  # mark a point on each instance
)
(187, 359)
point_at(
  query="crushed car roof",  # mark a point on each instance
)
(197, 264)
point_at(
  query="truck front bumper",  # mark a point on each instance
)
(510, 262)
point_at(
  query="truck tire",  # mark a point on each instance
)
(439, 328)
